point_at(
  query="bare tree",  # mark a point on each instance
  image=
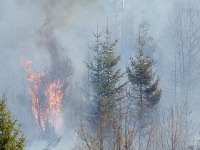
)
(173, 128)
(122, 136)
(184, 40)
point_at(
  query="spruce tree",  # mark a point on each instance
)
(104, 74)
(11, 138)
(106, 90)
(144, 92)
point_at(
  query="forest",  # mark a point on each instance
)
(99, 75)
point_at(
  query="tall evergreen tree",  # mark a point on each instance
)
(11, 138)
(144, 88)
(104, 74)
(105, 78)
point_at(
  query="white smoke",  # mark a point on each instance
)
(21, 22)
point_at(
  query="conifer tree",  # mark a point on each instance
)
(104, 74)
(144, 94)
(11, 138)
(104, 78)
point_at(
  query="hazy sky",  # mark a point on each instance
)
(72, 23)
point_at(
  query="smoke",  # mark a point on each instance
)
(53, 35)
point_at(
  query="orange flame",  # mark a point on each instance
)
(34, 81)
(53, 93)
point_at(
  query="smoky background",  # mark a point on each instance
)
(70, 24)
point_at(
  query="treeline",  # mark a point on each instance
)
(122, 109)
(125, 115)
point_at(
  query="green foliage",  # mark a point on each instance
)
(144, 94)
(11, 138)
(144, 86)
(104, 74)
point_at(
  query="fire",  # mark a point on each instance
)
(54, 95)
(34, 81)
(50, 114)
